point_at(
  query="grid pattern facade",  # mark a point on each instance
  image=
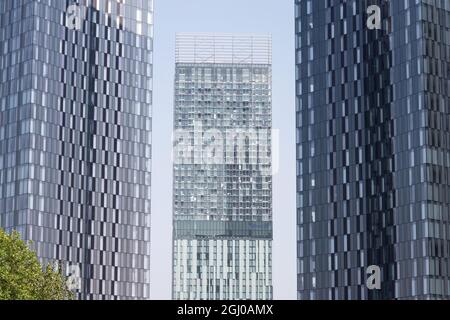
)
(372, 149)
(222, 168)
(75, 138)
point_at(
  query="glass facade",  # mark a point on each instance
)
(372, 149)
(222, 167)
(75, 137)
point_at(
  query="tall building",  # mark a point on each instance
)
(222, 227)
(373, 153)
(75, 138)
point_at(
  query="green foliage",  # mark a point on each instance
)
(22, 276)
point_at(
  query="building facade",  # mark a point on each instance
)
(222, 222)
(373, 154)
(75, 138)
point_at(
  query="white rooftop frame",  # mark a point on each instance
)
(223, 48)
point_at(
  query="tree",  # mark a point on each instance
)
(22, 276)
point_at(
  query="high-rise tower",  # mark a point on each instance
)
(222, 167)
(372, 148)
(75, 138)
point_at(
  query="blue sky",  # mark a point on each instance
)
(247, 16)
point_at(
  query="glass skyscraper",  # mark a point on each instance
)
(222, 167)
(75, 138)
(373, 154)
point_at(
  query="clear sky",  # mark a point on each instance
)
(247, 16)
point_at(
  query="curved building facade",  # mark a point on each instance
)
(372, 148)
(75, 138)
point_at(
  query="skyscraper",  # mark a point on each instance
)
(75, 138)
(372, 148)
(222, 167)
